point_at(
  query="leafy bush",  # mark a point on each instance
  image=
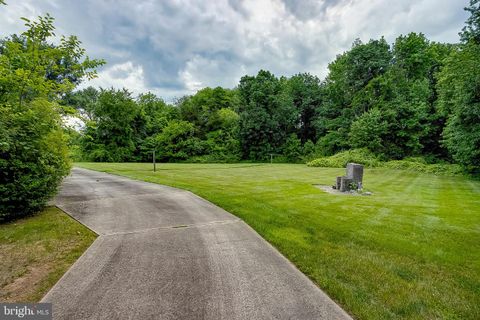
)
(111, 136)
(367, 130)
(340, 160)
(363, 156)
(292, 149)
(422, 166)
(33, 147)
(308, 148)
(33, 157)
(309, 152)
(177, 142)
(459, 91)
(222, 146)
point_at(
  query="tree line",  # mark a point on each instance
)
(412, 98)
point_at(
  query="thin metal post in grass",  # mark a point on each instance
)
(271, 158)
(154, 164)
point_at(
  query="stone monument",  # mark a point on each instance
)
(353, 179)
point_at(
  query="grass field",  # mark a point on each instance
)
(411, 250)
(36, 251)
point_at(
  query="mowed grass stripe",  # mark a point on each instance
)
(410, 251)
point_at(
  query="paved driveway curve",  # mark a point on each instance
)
(165, 253)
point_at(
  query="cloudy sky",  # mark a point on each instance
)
(175, 47)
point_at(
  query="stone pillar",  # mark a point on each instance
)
(345, 184)
(338, 183)
(355, 172)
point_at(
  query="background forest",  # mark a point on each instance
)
(413, 98)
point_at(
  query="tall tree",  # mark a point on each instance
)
(202, 108)
(471, 31)
(348, 75)
(154, 116)
(156, 112)
(404, 98)
(112, 134)
(396, 111)
(83, 101)
(305, 91)
(266, 115)
(459, 94)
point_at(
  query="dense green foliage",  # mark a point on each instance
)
(391, 109)
(34, 74)
(460, 98)
(344, 90)
(471, 32)
(414, 98)
(339, 160)
(265, 119)
(219, 125)
(33, 157)
(121, 128)
(409, 251)
(370, 160)
(109, 137)
(459, 90)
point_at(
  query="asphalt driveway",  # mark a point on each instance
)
(165, 253)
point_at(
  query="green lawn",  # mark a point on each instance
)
(36, 251)
(411, 250)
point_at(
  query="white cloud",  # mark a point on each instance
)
(173, 47)
(123, 75)
(129, 76)
(10, 16)
(200, 72)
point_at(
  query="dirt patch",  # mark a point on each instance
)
(26, 285)
(36, 251)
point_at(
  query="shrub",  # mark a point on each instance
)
(363, 156)
(33, 157)
(292, 149)
(34, 74)
(340, 160)
(177, 142)
(222, 146)
(421, 166)
(367, 130)
(308, 148)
